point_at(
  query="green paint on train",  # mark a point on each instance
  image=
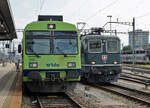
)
(51, 54)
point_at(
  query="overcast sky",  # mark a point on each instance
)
(93, 12)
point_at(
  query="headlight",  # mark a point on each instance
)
(33, 65)
(115, 62)
(71, 64)
(93, 62)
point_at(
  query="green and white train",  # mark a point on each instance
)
(51, 55)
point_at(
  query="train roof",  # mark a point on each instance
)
(42, 25)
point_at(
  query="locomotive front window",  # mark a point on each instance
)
(56, 42)
(38, 46)
(65, 46)
(37, 43)
(112, 46)
(95, 46)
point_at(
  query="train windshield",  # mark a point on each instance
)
(65, 46)
(37, 43)
(95, 46)
(54, 42)
(112, 46)
(65, 42)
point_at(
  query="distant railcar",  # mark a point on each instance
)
(51, 55)
(101, 58)
(141, 56)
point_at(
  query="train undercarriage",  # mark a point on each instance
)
(101, 74)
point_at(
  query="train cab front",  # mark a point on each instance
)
(101, 58)
(50, 80)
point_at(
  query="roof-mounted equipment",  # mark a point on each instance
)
(97, 30)
(50, 18)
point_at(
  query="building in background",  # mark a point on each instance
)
(141, 39)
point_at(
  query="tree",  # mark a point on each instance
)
(127, 48)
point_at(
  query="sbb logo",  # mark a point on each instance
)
(104, 57)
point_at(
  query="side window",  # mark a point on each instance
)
(112, 46)
(95, 46)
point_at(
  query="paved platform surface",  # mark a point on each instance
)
(16, 100)
(7, 77)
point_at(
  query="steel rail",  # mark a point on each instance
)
(135, 78)
(132, 80)
(56, 102)
(136, 66)
(74, 101)
(39, 102)
(124, 73)
(137, 70)
(133, 94)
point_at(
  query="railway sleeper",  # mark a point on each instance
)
(147, 83)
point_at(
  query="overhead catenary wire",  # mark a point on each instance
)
(80, 7)
(100, 10)
(139, 3)
(77, 10)
(144, 15)
(41, 5)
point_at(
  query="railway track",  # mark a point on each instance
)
(135, 78)
(137, 69)
(55, 101)
(140, 76)
(132, 94)
(136, 66)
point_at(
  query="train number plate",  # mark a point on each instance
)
(52, 74)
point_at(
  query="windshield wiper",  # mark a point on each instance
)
(34, 52)
(70, 43)
(65, 55)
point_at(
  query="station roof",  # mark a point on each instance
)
(7, 27)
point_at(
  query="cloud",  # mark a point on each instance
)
(88, 11)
